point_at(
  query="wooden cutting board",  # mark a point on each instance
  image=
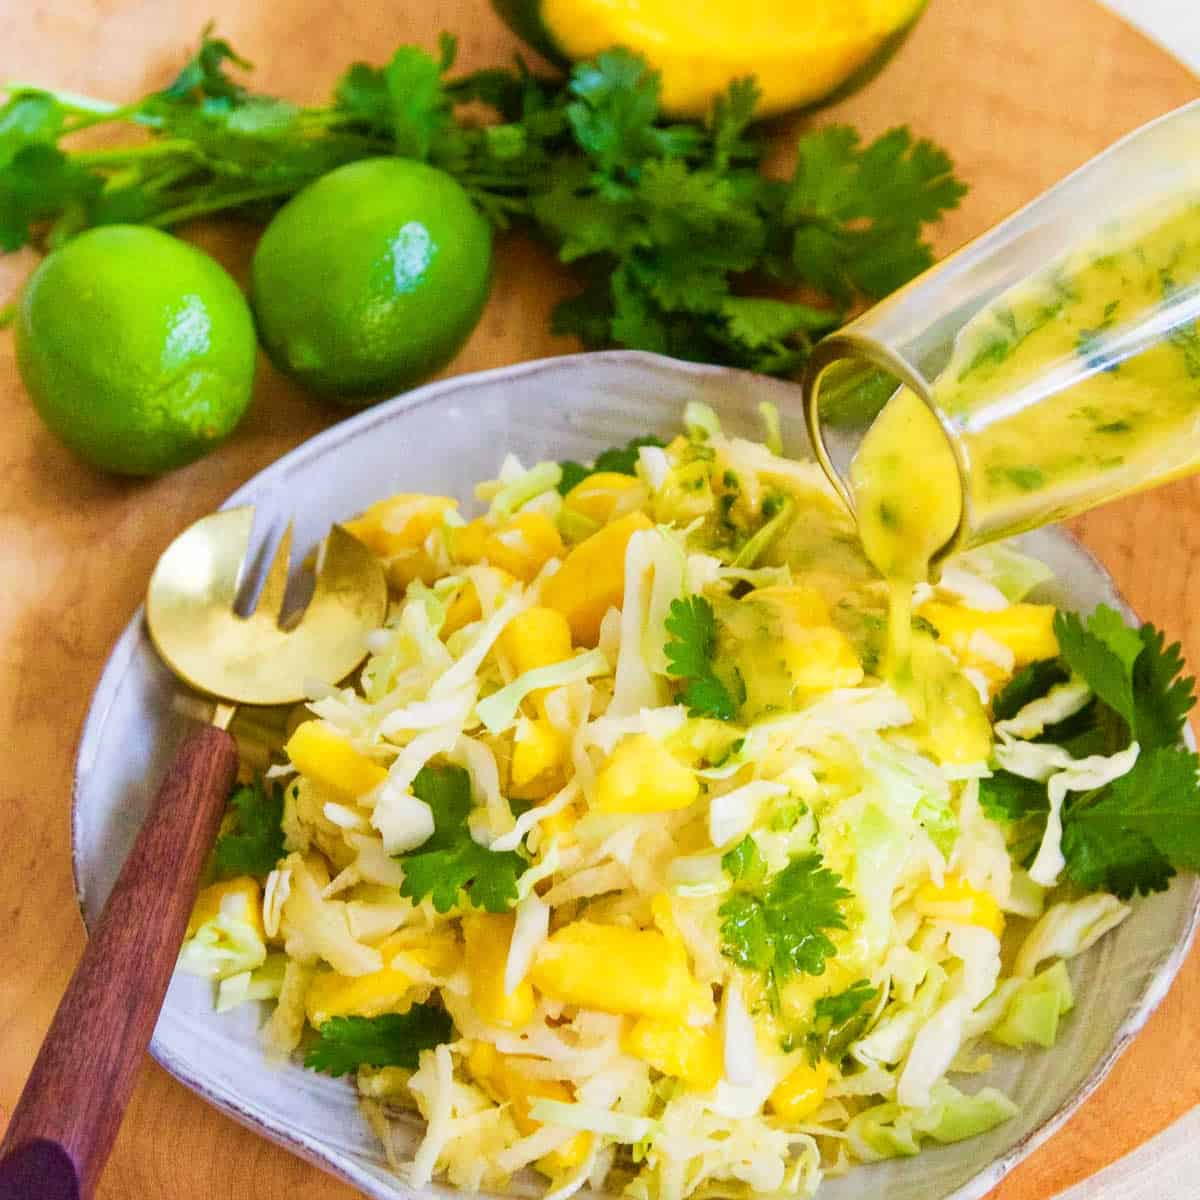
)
(1019, 91)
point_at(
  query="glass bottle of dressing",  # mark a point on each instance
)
(1047, 367)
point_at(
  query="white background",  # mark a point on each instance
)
(1173, 23)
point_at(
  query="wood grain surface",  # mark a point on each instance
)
(1019, 91)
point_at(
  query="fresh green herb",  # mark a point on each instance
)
(255, 843)
(692, 626)
(393, 1040)
(1133, 834)
(779, 928)
(661, 219)
(621, 460)
(451, 864)
(744, 863)
(839, 1021)
(1028, 684)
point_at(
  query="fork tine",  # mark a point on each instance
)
(274, 588)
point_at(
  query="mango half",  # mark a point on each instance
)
(801, 54)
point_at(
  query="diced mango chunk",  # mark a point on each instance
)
(598, 497)
(802, 604)
(539, 752)
(331, 762)
(693, 1055)
(408, 565)
(1025, 629)
(640, 972)
(956, 900)
(521, 546)
(801, 1092)
(464, 609)
(536, 637)
(488, 937)
(391, 989)
(503, 1077)
(591, 579)
(240, 898)
(643, 776)
(400, 522)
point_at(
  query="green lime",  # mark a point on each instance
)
(136, 348)
(371, 278)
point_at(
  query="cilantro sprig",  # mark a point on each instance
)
(840, 1020)
(451, 864)
(620, 460)
(254, 843)
(1135, 833)
(344, 1044)
(779, 927)
(692, 628)
(674, 231)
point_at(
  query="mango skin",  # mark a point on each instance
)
(525, 19)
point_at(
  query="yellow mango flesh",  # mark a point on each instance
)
(400, 522)
(693, 1055)
(597, 497)
(240, 898)
(801, 1092)
(643, 776)
(591, 579)
(639, 972)
(390, 989)
(956, 900)
(501, 1075)
(539, 752)
(488, 937)
(1025, 629)
(331, 762)
(799, 53)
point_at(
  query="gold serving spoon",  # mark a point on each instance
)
(68, 1115)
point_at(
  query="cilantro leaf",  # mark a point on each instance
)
(1162, 695)
(779, 928)
(744, 863)
(393, 1040)
(620, 460)
(692, 628)
(451, 864)
(1102, 652)
(839, 1021)
(255, 844)
(1030, 683)
(1009, 798)
(1133, 834)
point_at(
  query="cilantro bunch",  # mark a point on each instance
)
(252, 841)
(680, 243)
(1133, 834)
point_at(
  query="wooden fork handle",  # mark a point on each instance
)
(68, 1115)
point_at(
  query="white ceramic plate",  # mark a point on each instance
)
(442, 439)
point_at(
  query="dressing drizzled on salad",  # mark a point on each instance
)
(623, 863)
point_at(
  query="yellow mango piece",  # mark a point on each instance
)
(391, 989)
(956, 900)
(523, 545)
(539, 752)
(464, 609)
(801, 1092)
(1026, 629)
(639, 972)
(399, 523)
(240, 898)
(537, 637)
(591, 579)
(488, 937)
(643, 776)
(331, 762)
(598, 497)
(469, 544)
(560, 825)
(502, 1077)
(693, 1055)
(801, 604)
(408, 565)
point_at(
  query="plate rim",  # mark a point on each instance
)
(344, 1164)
